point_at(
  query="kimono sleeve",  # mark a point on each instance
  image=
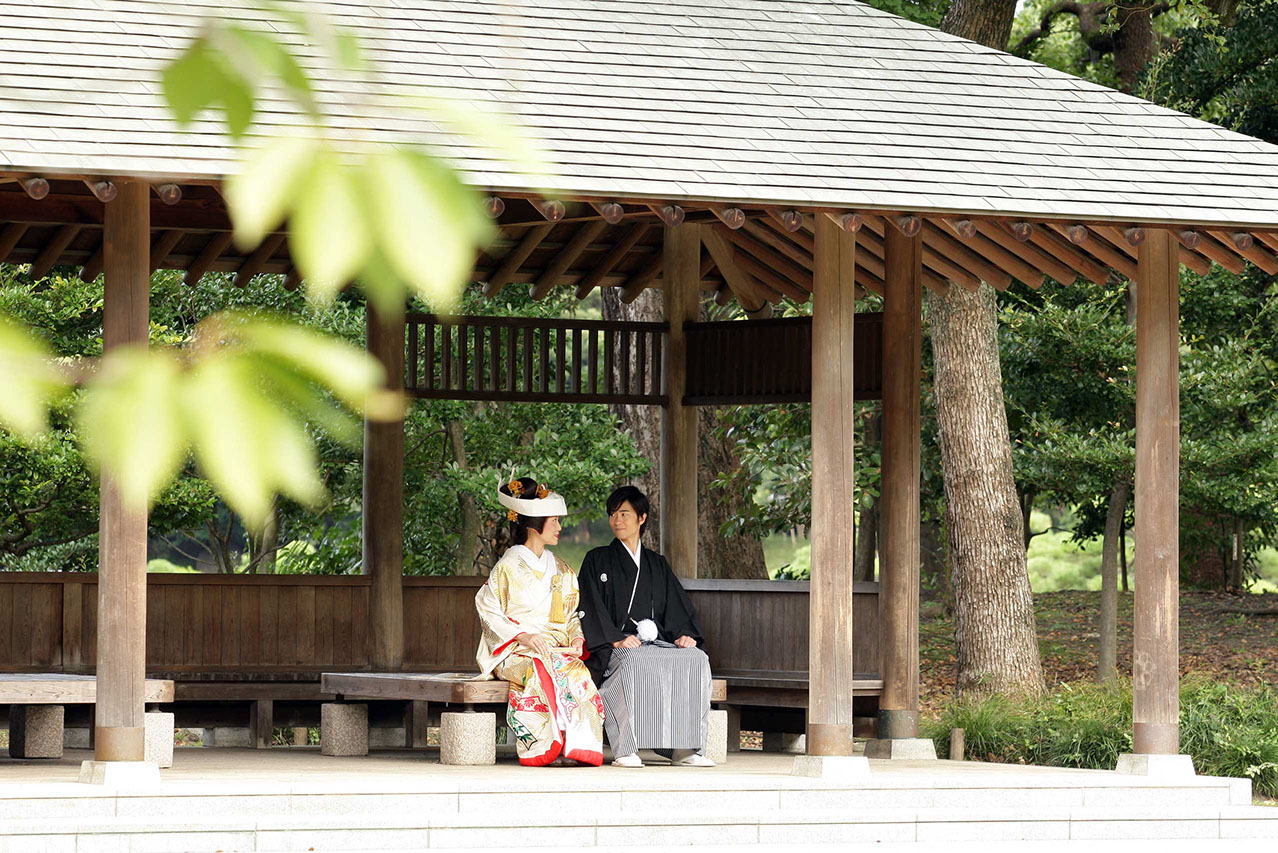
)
(491, 602)
(597, 624)
(680, 618)
(572, 623)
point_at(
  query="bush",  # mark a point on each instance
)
(1229, 730)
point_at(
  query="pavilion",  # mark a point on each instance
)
(800, 149)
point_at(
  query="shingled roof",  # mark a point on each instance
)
(788, 102)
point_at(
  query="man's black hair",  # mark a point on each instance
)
(637, 499)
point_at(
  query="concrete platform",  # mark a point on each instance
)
(296, 799)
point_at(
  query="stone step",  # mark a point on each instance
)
(563, 827)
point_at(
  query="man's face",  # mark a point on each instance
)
(625, 522)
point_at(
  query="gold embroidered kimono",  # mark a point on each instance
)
(553, 707)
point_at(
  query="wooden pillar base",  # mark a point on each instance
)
(897, 724)
(119, 743)
(1156, 738)
(829, 739)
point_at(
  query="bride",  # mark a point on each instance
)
(532, 636)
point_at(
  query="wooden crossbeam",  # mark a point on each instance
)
(514, 258)
(253, 263)
(1270, 240)
(1066, 252)
(1032, 255)
(724, 257)
(669, 214)
(768, 276)
(780, 265)
(36, 188)
(1100, 248)
(93, 266)
(584, 236)
(212, 250)
(163, 245)
(1010, 262)
(1221, 254)
(9, 238)
(53, 250)
(781, 242)
(949, 248)
(611, 211)
(170, 194)
(103, 191)
(1245, 245)
(606, 264)
(641, 278)
(872, 244)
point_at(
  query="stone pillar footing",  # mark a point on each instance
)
(127, 775)
(344, 728)
(904, 748)
(840, 768)
(717, 737)
(159, 738)
(35, 731)
(1160, 766)
(467, 737)
(785, 742)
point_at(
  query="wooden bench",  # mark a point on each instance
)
(775, 703)
(37, 711)
(422, 690)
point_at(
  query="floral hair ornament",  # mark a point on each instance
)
(512, 515)
(547, 503)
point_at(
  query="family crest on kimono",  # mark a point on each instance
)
(532, 636)
(644, 644)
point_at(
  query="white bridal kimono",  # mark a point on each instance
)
(553, 707)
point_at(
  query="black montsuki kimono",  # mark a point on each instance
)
(606, 579)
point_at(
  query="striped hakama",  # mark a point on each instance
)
(657, 697)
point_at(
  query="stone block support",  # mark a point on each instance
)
(468, 737)
(35, 731)
(717, 737)
(159, 738)
(344, 728)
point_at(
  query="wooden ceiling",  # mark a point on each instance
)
(755, 255)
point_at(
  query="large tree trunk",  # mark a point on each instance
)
(1107, 652)
(994, 627)
(468, 543)
(867, 528)
(717, 556)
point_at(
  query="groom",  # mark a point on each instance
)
(643, 637)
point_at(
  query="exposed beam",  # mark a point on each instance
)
(53, 250)
(1068, 254)
(1076, 233)
(1270, 240)
(870, 259)
(800, 235)
(1021, 230)
(93, 266)
(849, 222)
(641, 278)
(964, 228)
(737, 280)
(1221, 254)
(951, 249)
(494, 206)
(163, 245)
(790, 220)
(1134, 235)
(1010, 262)
(510, 264)
(9, 238)
(611, 211)
(938, 271)
(37, 188)
(1033, 255)
(1240, 240)
(567, 256)
(103, 191)
(800, 277)
(169, 193)
(733, 217)
(1260, 256)
(606, 264)
(253, 263)
(766, 274)
(552, 210)
(780, 242)
(1098, 248)
(212, 250)
(907, 223)
(292, 280)
(1189, 238)
(669, 214)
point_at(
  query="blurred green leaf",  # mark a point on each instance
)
(260, 195)
(32, 381)
(329, 236)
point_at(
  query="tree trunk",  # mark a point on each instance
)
(994, 629)
(1122, 556)
(1133, 42)
(717, 556)
(1026, 502)
(1107, 644)
(468, 544)
(867, 528)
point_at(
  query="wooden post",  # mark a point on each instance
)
(829, 729)
(899, 501)
(1155, 658)
(119, 728)
(682, 276)
(384, 504)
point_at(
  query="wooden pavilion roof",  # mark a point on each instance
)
(751, 116)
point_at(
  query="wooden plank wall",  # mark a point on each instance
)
(265, 626)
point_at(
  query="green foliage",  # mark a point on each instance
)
(1229, 730)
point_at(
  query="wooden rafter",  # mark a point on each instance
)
(606, 264)
(869, 248)
(641, 278)
(514, 259)
(777, 263)
(736, 279)
(949, 247)
(549, 277)
(9, 238)
(1010, 262)
(1222, 254)
(53, 250)
(212, 250)
(1099, 248)
(163, 245)
(1036, 257)
(253, 263)
(93, 266)
(1067, 253)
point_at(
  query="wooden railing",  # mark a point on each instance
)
(770, 361)
(531, 360)
(294, 626)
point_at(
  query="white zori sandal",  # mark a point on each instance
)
(694, 760)
(631, 760)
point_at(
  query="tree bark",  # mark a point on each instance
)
(717, 556)
(468, 544)
(867, 528)
(995, 636)
(1122, 556)
(1107, 644)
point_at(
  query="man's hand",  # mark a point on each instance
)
(685, 642)
(536, 642)
(630, 642)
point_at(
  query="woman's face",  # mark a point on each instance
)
(625, 522)
(549, 531)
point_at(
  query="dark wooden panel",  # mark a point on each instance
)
(769, 361)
